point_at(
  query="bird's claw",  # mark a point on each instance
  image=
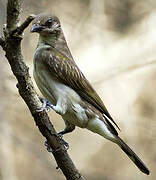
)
(49, 149)
(63, 141)
(46, 105)
(60, 135)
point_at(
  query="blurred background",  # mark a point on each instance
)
(114, 44)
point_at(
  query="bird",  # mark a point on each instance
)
(65, 88)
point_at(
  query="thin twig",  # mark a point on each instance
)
(25, 24)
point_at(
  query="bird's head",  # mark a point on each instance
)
(46, 24)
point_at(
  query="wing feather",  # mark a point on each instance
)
(68, 72)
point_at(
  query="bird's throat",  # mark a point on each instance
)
(47, 40)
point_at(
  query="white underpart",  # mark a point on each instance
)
(99, 127)
(76, 115)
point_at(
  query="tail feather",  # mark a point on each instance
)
(137, 161)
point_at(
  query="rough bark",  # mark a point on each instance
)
(11, 44)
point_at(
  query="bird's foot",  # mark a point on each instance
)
(63, 141)
(49, 149)
(46, 105)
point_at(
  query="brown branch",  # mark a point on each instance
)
(12, 46)
(13, 12)
(25, 24)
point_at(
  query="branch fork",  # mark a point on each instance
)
(11, 44)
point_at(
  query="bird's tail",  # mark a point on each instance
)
(137, 161)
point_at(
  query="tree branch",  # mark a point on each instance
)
(12, 46)
(25, 24)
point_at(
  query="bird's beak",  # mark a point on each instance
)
(36, 28)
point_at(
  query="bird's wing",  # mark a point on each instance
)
(65, 70)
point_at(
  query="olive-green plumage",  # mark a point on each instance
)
(64, 85)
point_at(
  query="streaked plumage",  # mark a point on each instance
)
(63, 84)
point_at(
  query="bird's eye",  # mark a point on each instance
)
(49, 22)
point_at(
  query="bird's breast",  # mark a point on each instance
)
(44, 81)
(51, 88)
